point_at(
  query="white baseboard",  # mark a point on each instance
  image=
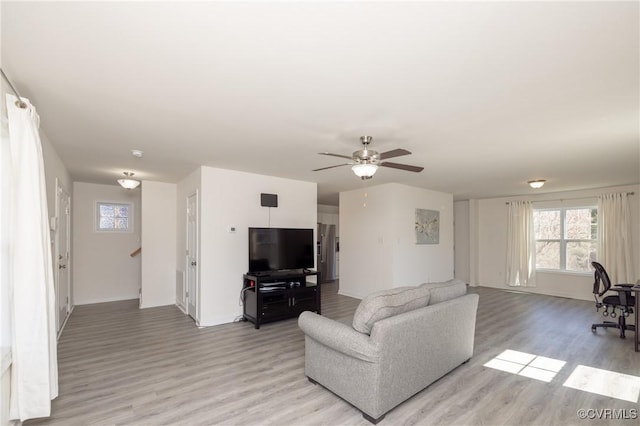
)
(355, 296)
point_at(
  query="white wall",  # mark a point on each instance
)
(462, 244)
(366, 253)
(158, 238)
(103, 271)
(419, 263)
(491, 217)
(232, 199)
(326, 208)
(377, 241)
(329, 215)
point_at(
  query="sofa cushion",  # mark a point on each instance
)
(445, 290)
(386, 303)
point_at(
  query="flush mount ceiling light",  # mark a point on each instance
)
(535, 184)
(364, 170)
(137, 153)
(128, 183)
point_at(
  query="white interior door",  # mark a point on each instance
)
(192, 256)
(62, 241)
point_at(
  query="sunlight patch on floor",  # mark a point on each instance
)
(604, 382)
(527, 365)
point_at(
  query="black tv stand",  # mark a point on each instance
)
(277, 295)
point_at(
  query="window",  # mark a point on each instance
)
(566, 238)
(114, 217)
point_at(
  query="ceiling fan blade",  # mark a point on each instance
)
(331, 167)
(406, 167)
(394, 153)
(336, 155)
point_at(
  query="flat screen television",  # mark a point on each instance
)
(276, 249)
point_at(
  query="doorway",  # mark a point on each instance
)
(192, 293)
(62, 256)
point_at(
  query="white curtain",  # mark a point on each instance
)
(521, 264)
(614, 237)
(34, 368)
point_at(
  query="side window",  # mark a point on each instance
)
(114, 217)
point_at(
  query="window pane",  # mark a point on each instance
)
(548, 254)
(578, 224)
(580, 254)
(122, 211)
(121, 223)
(546, 224)
(107, 210)
(106, 223)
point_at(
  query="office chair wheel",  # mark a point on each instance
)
(605, 313)
(613, 314)
(593, 328)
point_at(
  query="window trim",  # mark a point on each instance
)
(563, 241)
(96, 217)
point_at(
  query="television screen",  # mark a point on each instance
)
(274, 249)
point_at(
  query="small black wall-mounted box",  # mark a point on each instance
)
(269, 200)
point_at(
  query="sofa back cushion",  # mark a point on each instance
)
(386, 303)
(445, 290)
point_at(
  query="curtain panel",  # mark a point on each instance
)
(34, 368)
(521, 264)
(614, 237)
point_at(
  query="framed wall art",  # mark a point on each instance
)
(427, 226)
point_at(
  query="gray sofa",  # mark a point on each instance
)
(400, 341)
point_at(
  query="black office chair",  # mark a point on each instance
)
(623, 301)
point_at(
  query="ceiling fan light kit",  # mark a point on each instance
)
(365, 161)
(364, 170)
(128, 183)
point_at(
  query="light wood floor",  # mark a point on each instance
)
(122, 365)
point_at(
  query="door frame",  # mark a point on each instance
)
(61, 322)
(188, 296)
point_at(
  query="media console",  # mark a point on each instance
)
(279, 295)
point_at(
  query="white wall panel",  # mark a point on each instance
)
(377, 239)
(102, 269)
(158, 238)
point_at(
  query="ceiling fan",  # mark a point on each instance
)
(365, 161)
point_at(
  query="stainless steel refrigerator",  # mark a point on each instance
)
(326, 263)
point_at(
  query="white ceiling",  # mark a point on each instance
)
(485, 95)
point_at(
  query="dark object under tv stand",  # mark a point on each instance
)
(277, 295)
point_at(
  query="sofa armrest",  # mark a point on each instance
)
(339, 337)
